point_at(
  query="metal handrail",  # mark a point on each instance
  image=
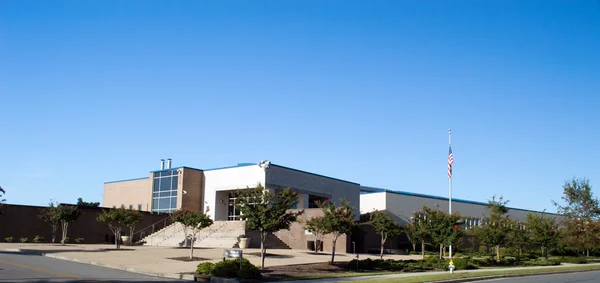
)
(153, 226)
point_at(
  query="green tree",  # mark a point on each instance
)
(195, 221)
(385, 226)
(494, 232)
(337, 221)
(581, 211)
(409, 230)
(80, 202)
(132, 218)
(180, 216)
(115, 218)
(267, 212)
(543, 231)
(317, 227)
(518, 237)
(442, 229)
(51, 217)
(2, 193)
(418, 231)
(67, 214)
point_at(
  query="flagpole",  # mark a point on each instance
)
(450, 186)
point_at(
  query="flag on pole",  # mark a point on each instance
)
(450, 162)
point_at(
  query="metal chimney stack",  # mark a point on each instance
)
(162, 164)
(169, 163)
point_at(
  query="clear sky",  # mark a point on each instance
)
(95, 91)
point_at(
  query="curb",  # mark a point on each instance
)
(189, 277)
(480, 278)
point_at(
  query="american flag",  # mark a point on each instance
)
(450, 162)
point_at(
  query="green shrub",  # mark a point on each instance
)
(249, 271)
(231, 269)
(434, 262)
(9, 239)
(483, 250)
(24, 239)
(464, 264)
(541, 262)
(67, 239)
(38, 239)
(79, 240)
(575, 260)
(226, 268)
(205, 268)
(392, 265)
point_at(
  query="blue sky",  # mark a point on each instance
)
(94, 91)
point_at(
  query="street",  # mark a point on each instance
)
(587, 277)
(16, 267)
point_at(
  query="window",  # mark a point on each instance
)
(140, 207)
(131, 207)
(164, 191)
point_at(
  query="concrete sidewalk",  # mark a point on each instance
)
(154, 261)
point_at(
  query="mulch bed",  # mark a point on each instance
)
(290, 272)
(187, 258)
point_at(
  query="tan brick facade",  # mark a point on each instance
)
(132, 192)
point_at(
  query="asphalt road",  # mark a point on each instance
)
(15, 267)
(579, 277)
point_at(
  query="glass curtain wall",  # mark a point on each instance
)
(164, 191)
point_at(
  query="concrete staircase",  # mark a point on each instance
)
(222, 234)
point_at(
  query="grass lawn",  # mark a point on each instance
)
(440, 277)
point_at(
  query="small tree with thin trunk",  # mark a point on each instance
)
(543, 231)
(180, 216)
(581, 214)
(2, 200)
(337, 221)
(195, 221)
(442, 229)
(409, 231)
(67, 214)
(385, 226)
(51, 217)
(132, 218)
(316, 226)
(494, 232)
(418, 231)
(115, 218)
(518, 237)
(267, 212)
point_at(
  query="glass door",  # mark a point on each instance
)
(233, 214)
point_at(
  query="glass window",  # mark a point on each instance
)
(165, 184)
(174, 183)
(174, 172)
(139, 207)
(155, 185)
(164, 203)
(154, 204)
(156, 174)
(131, 207)
(173, 193)
(155, 194)
(173, 203)
(165, 194)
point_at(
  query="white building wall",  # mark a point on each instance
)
(308, 183)
(404, 206)
(373, 201)
(225, 180)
